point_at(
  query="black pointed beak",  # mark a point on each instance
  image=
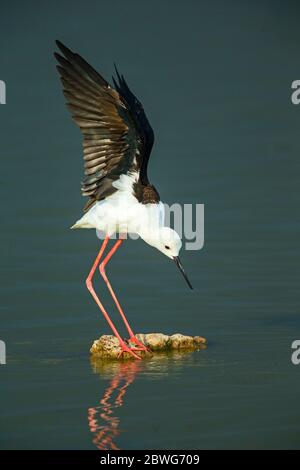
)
(179, 265)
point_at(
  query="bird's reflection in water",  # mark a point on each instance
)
(103, 421)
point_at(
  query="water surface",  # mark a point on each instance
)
(215, 81)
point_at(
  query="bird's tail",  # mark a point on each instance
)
(81, 223)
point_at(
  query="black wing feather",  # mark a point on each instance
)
(117, 137)
(144, 128)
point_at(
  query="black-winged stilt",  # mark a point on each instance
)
(117, 141)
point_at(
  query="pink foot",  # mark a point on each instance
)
(140, 346)
(128, 350)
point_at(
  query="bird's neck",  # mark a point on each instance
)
(150, 228)
(150, 236)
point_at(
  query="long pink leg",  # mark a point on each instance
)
(90, 287)
(132, 339)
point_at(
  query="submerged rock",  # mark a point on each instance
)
(108, 347)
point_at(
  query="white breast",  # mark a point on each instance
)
(121, 212)
(106, 215)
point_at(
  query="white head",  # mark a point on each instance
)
(169, 243)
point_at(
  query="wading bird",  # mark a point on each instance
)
(117, 142)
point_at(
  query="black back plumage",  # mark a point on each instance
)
(117, 136)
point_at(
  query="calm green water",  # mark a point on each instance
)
(215, 80)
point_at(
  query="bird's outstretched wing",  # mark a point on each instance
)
(117, 137)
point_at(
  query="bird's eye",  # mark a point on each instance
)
(167, 247)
